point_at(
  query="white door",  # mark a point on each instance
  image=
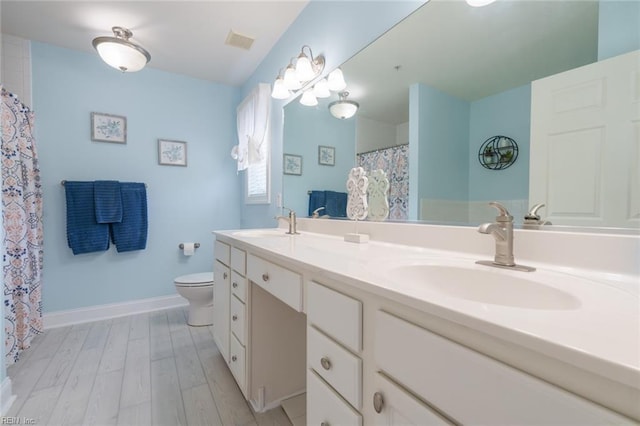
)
(221, 292)
(585, 140)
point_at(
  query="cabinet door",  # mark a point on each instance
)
(398, 407)
(325, 407)
(221, 294)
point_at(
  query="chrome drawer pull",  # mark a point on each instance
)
(378, 402)
(234, 318)
(224, 276)
(265, 277)
(234, 358)
(325, 362)
(234, 285)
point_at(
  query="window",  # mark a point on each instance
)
(257, 182)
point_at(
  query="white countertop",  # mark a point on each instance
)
(600, 335)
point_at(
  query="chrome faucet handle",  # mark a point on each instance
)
(533, 212)
(503, 213)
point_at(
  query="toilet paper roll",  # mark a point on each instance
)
(189, 249)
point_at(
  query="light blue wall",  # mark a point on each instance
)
(618, 27)
(184, 203)
(338, 30)
(507, 113)
(441, 137)
(305, 129)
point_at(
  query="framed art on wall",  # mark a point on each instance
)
(292, 164)
(172, 153)
(326, 155)
(108, 128)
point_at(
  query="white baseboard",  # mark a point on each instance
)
(6, 397)
(112, 310)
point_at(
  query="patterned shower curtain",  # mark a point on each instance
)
(22, 220)
(395, 162)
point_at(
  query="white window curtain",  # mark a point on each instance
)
(252, 121)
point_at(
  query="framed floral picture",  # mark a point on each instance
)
(172, 153)
(108, 128)
(292, 164)
(326, 155)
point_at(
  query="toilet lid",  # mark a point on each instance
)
(202, 278)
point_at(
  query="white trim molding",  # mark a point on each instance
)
(112, 310)
(6, 397)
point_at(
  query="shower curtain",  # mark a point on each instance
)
(22, 222)
(395, 162)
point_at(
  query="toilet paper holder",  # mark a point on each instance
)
(195, 245)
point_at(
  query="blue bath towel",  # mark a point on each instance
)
(336, 204)
(84, 234)
(131, 233)
(317, 199)
(108, 201)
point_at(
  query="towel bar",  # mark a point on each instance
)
(196, 245)
(62, 182)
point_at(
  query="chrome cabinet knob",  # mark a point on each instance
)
(265, 277)
(234, 285)
(234, 318)
(234, 358)
(378, 402)
(325, 362)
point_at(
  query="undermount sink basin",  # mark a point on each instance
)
(487, 286)
(261, 233)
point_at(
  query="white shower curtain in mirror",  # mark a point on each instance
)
(22, 221)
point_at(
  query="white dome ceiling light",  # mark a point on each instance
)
(119, 52)
(343, 108)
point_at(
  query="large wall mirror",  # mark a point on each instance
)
(434, 88)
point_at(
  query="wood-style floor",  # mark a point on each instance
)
(146, 369)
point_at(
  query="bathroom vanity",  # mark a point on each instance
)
(408, 329)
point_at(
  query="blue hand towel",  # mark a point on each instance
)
(84, 234)
(316, 199)
(131, 233)
(108, 201)
(336, 204)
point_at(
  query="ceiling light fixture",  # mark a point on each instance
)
(343, 108)
(119, 52)
(479, 3)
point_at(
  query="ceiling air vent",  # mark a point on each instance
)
(239, 40)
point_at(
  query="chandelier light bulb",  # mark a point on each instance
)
(336, 80)
(321, 89)
(308, 99)
(279, 89)
(304, 70)
(291, 81)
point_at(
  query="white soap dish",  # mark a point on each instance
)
(356, 238)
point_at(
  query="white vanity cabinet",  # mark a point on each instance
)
(467, 387)
(221, 292)
(334, 341)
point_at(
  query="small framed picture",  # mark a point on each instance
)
(326, 155)
(108, 128)
(172, 153)
(292, 164)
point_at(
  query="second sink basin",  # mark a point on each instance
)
(486, 286)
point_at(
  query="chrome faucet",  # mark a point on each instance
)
(293, 223)
(502, 232)
(532, 220)
(316, 214)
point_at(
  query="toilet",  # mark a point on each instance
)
(198, 290)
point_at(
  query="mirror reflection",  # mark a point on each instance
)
(432, 90)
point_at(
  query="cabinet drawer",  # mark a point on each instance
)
(282, 283)
(325, 407)
(222, 252)
(471, 387)
(239, 286)
(337, 315)
(336, 365)
(401, 408)
(238, 319)
(237, 362)
(238, 260)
